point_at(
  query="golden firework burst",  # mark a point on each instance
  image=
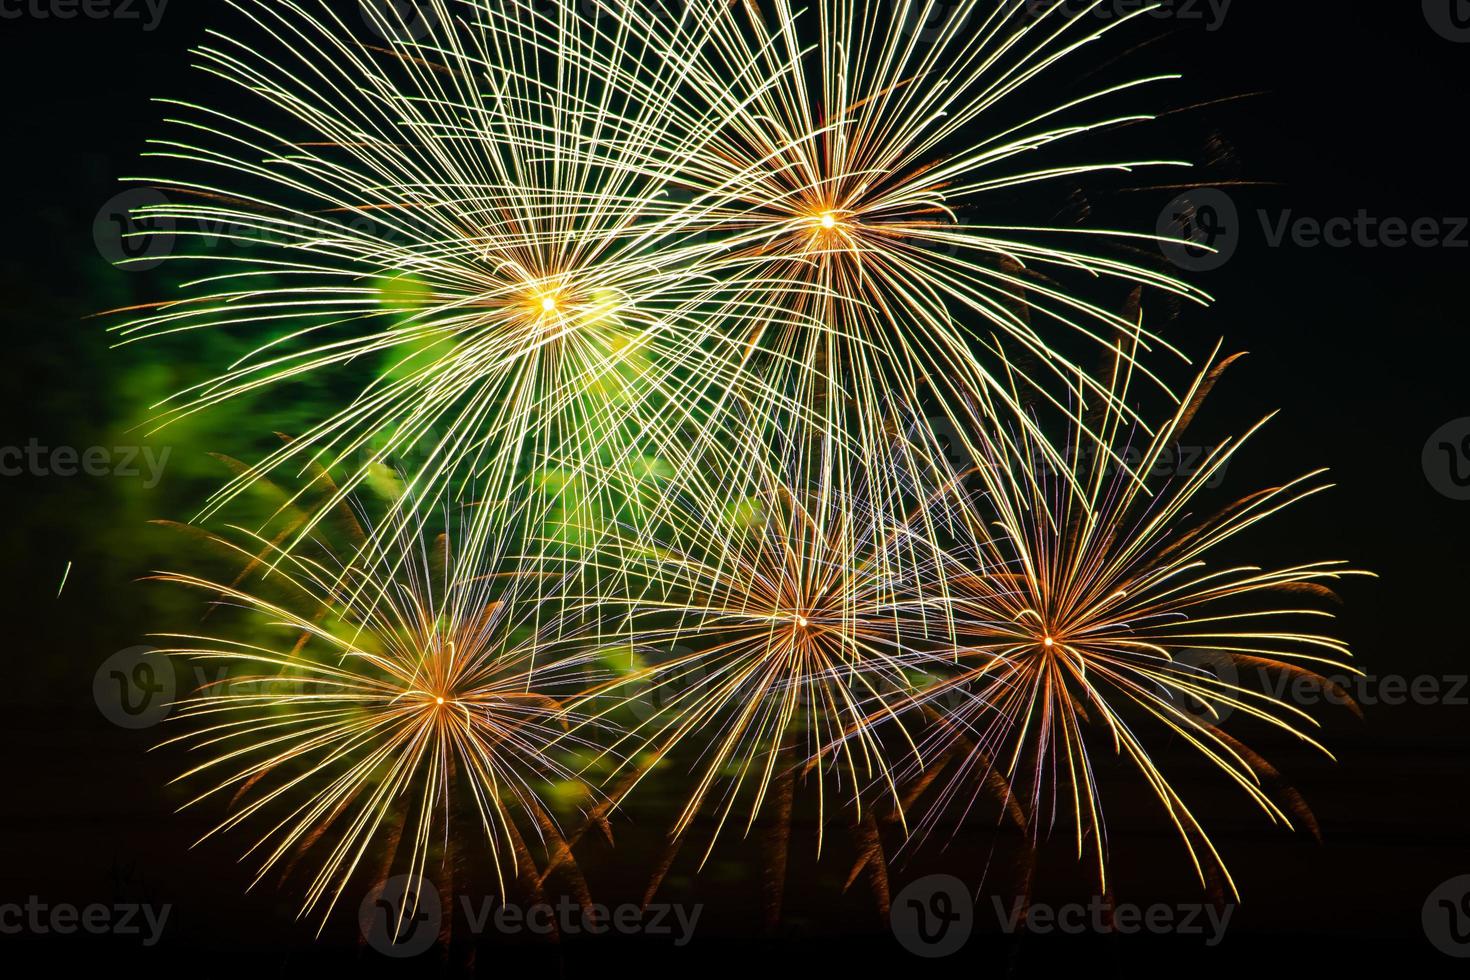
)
(851, 153)
(767, 631)
(365, 710)
(1087, 605)
(419, 220)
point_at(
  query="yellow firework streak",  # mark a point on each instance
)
(382, 708)
(1093, 607)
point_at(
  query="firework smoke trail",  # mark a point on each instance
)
(1076, 616)
(857, 149)
(421, 216)
(373, 703)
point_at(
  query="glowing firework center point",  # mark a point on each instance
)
(826, 222)
(796, 621)
(793, 626)
(567, 306)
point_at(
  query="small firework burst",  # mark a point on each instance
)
(772, 627)
(379, 708)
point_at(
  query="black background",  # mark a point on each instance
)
(1350, 106)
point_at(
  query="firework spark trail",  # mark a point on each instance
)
(1071, 614)
(385, 695)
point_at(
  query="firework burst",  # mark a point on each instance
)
(851, 151)
(378, 705)
(767, 630)
(420, 218)
(1091, 605)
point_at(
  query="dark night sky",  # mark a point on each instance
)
(1351, 106)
